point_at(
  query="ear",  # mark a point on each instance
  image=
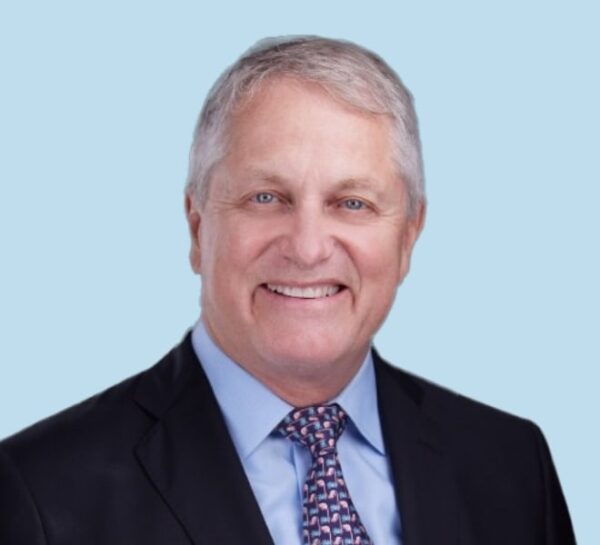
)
(412, 230)
(192, 214)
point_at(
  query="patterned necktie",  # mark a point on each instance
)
(330, 517)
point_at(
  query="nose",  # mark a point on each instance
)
(308, 241)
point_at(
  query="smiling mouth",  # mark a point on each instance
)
(312, 292)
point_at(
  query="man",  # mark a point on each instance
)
(274, 421)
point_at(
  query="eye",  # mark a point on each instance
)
(263, 198)
(353, 204)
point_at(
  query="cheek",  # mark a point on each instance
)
(378, 261)
(221, 243)
(232, 255)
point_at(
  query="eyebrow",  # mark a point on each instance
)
(357, 183)
(343, 184)
(266, 176)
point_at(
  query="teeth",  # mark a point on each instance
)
(304, 293)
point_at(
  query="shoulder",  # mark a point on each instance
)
(107, 423)
(59, 474)
(469, 427)
(498, 462)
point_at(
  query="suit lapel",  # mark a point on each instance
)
(191, 460)
(423, 478)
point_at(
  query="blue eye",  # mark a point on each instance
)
(264, 198)
(353, 204)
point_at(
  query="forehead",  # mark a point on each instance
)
(282, 89)
(293, 123)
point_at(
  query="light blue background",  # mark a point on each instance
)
(96, 114)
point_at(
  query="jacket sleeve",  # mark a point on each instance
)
(558, 527)
(20, 523)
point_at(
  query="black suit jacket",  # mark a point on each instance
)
(150, 462)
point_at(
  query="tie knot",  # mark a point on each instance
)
(316, 427)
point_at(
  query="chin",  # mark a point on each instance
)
(309, 355)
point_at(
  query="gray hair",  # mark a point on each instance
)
(347, 71)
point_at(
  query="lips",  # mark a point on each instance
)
(308, 292)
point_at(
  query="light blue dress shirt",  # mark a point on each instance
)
(276, 467)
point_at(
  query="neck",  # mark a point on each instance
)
(301, 388)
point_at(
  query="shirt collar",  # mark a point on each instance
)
(252, 411)
(359, 400)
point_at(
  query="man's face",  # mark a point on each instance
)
(304, 236)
